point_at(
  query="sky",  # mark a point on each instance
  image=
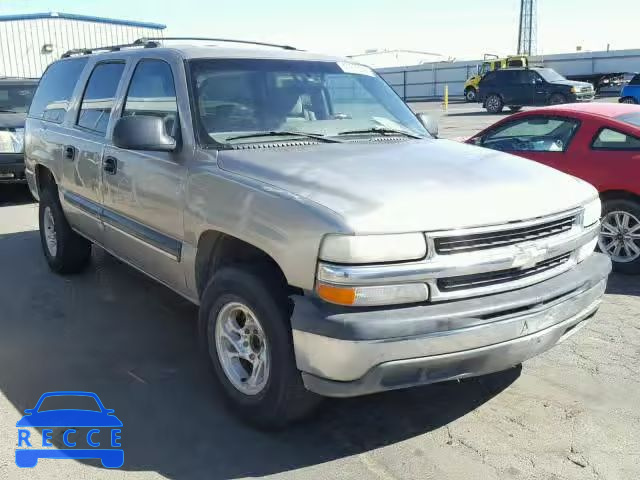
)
(461, 29)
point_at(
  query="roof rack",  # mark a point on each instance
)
(110, 48)
(206, 39)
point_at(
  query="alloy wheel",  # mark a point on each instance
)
(620, 236)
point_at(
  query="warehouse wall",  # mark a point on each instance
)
(22, 41)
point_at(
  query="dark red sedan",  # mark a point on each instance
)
(598, 142)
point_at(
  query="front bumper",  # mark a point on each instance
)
(344, 352)
(583, 97)
(12, 168)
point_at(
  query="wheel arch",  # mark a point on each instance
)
(609, 195)
(45, 178)
(216, 249)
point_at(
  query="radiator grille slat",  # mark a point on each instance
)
(487, 240)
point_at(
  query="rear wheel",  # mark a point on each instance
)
(470, 94)
(64, 249)
(515, 108)
(494, 103)
(620, 235)
(244, 317)
(630, 100)
(557, 99)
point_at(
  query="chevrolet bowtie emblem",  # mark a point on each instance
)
(527, 257)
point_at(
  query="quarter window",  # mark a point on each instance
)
(152, 92)
(537, 134)
(99, 96)
(51, 100)
(609, 139)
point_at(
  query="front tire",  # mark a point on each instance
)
(470, 94)
(629, 100)
(494, 103)
(620, 235)
(65, 251)
(557, 99)
(244, 319)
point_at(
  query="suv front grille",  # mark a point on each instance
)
(480, 280)
(495, 239)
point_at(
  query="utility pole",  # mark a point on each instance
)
(528, 31)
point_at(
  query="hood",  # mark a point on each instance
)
(573, 83)
(12, 120)
(413, 185)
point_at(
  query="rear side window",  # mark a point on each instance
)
(635, 80)
(609, 139)
(489, 77)
(53, 96)
(99, 96)
(152, 92)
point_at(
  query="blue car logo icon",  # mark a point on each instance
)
(69, 420)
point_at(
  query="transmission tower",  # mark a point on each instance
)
(528, 32)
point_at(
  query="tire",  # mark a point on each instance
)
(470, 94)
(557, 99)
(280, 396)
(72, 253)
(515, 108)
(494, 103)
(610, 230)
(629, 100)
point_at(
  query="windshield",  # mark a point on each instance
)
(16, 98)
(550, 75)
(239, 97)
(632, 118)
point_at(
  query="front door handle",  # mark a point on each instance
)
(110, 165)
(70, 152)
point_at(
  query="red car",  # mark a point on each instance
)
(597, 142)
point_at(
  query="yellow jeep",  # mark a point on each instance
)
(490, 63)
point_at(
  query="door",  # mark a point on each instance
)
(82, 150)
(545, 139)
(531, 87)
(143, 193)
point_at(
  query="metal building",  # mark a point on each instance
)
(30, 42)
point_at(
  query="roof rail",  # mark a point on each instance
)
(110, 48)
(205, 39)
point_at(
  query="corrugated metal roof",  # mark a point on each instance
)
(82, 18)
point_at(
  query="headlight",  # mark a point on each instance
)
(12, 141)
(355, 249)
(574, 90)
(591, 213)
(371, 296)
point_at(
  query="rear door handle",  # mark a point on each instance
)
(110, 165)
(69, 152)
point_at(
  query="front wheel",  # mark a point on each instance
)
(494, 103)
(557, 99)
(470, 94)
(620, 235)
(244, 317)
(64, 249)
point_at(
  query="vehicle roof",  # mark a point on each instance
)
(19, 81)
(610, 110)
(221, 52)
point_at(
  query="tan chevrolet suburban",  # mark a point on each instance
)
(335, 246)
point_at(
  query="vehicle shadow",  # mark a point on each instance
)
(15, 194)
(480, 113)
(112, 331)
(622, 284)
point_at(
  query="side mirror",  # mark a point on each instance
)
(142, 132)
(29, 411)
(429, 123)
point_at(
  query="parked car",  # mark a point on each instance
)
(15, 98)
(630, 93)
(335, 247)
(517, 87)
(599, 143)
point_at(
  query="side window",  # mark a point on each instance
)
(509, 77)
(489, 77)
(515, 63)
(635, 80)
(99, 96)
(152, 92)
(53, 95)
(533, 134)
(527, 77)
(609, 139)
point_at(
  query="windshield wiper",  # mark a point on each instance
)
(284, 133)
(381, 131)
